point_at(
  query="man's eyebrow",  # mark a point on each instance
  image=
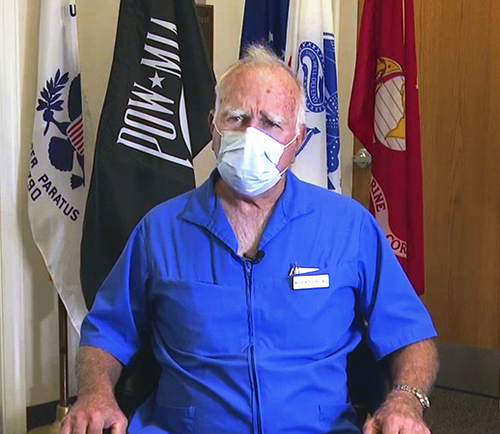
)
(230, 112)
(273, 117)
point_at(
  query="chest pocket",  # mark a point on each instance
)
(312, 319)
(201, 318)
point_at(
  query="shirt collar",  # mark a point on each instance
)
(294, 202)
(205, 209)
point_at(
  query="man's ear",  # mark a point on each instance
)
(300, 137)
(303, 133)
(211, 118)
(215, 142)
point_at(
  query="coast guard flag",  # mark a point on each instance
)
(310, 52)
(56, 180)
(154, 122)
(265, 23)
(384, 116)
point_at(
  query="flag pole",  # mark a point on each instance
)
(63, 406)
(63, 355)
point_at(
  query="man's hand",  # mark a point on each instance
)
(96, 408)
(93, 413)
(401, 413)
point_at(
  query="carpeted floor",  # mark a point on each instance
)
(454, 412)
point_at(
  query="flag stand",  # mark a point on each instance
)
(63, 406)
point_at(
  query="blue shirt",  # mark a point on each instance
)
(241, 351)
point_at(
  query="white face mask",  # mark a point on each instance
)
(247, 160)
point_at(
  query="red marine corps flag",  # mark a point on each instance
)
(384, 116)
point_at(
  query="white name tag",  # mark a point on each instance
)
(310, 282)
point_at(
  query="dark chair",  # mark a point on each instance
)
(368, 381)
(137, 381)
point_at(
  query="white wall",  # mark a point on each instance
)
(97, 27)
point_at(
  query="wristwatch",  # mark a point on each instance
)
(418, 393)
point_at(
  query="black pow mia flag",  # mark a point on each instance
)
(154, 122)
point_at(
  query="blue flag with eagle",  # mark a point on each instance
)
(56, 179)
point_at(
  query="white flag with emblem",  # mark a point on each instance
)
(56, 180)
(310, 52)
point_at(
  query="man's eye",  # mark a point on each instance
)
(272, 124)
(236, 118)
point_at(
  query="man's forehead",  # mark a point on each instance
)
(261, 77)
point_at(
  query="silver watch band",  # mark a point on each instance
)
(418, 393)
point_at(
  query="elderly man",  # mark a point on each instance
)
(253, 289)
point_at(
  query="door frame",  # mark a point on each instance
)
(12, 333)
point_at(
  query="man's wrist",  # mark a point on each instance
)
(401, 399)
(96, 388)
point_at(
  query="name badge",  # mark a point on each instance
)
(310, 282)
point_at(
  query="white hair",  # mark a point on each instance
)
(261, 56)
